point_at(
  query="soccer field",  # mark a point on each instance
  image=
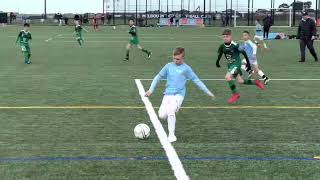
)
(71, 113)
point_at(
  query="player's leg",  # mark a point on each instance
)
(79, 40)
(231, 83)
(173, 107)
(129, 46)
(244, 67)
(302, 50)
(260, 73)
(25, 54)
(268, 30)
(249, 81)
(312, 50)
(149, 53)
(29, 54)
(163, 108)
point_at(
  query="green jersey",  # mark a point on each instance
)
(133, 31)
(232, 55)
(134, 35)
(78, 29)
(24, 37)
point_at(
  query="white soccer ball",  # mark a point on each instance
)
(114, 27)
(142, 131)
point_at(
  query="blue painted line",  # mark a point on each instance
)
(48, 159)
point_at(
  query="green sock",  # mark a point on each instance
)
(232, 86)
(127, 54)
(145, 51)
(26, 55)
(248, 82)
(79, 41)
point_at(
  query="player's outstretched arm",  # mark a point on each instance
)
(220, 53)
(85, 29)
(153, 86)
(18, 38)
(162, 74)
(195, 79)
(255, 48)
(247, 58)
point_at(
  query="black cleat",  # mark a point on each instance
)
(266, 81)
(126, 59)
(302, 61)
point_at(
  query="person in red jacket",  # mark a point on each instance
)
(95, 22)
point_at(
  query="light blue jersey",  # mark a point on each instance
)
(177, 76)
(259, 31)
(250, 48)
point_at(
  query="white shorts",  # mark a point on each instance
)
(258, 37)
(170, 105)
(252, 62)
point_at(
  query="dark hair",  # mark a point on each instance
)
(131, 20)
(178, 51)
(26, 25)
(247, 32)
(227, 32)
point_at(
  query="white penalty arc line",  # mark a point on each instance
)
(171, 153)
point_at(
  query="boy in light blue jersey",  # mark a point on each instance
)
(176, 73)
(258, 38)
(251, 50)
(259, 28)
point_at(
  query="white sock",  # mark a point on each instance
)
(171, 124)
(243, 67)
(265, 45)
(261, 74)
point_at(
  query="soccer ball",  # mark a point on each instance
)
(142, 131)
(114, 27)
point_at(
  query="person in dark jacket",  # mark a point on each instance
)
(267, 23)
(307, 33)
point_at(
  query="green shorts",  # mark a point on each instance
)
(79, 37)
(134, 41)
(25, 49)
(235, 70)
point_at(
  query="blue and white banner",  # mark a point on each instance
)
(182, 22)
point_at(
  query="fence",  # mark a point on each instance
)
(211, 12)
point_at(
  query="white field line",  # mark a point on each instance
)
(143, 37)
(260, 79)
(51, 38)
(171, 153)
(142, 41)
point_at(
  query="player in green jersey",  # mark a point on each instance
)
(134, 41)
(232, 54)
(24, 38)
(78, 33)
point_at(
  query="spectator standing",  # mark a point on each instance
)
(307, 33)
(267, 23)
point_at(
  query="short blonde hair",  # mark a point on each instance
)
(178, 51)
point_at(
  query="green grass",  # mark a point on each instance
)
(62, 74)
